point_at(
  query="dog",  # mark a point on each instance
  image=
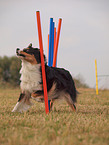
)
(60, 84)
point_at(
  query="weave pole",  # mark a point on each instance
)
(54, 36)
(42, 61)
(53, 42)
(57, 42)
(96, 77)
(50, 47)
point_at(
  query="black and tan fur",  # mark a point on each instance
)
(60, 84)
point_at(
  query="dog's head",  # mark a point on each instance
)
(30, 54)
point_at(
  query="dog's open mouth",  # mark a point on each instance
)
(20, 55)
(26, 55)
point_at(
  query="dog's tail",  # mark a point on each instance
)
(74, 107)
(73, 92)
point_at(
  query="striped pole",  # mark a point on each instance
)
(42, 61)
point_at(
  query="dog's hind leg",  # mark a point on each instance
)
(70, 102)
(23, 103)
(51, 103)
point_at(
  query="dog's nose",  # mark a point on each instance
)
(17, 50)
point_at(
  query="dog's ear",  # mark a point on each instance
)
(30, 45)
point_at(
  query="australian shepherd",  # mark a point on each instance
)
(60, 84)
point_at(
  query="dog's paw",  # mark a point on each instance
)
(21, 107)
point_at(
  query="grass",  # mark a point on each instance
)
(88, 125)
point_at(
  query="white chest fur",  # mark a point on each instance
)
(30, 77)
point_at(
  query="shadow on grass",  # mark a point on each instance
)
(91, 112)
(51, 112)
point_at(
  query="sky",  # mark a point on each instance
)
(84, 33)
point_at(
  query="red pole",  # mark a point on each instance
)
(42, 61)
(57, 42)
(54, 37)
(48, 48)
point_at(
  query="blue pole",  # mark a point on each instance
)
(50, 42)
(51, 47)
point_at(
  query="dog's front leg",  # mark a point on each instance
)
(23, 103)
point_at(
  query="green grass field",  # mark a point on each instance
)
(88, 125)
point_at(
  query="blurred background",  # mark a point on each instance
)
(84, 36)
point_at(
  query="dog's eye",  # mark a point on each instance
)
(26, 50)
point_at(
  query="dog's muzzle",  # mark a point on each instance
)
(18, 52)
